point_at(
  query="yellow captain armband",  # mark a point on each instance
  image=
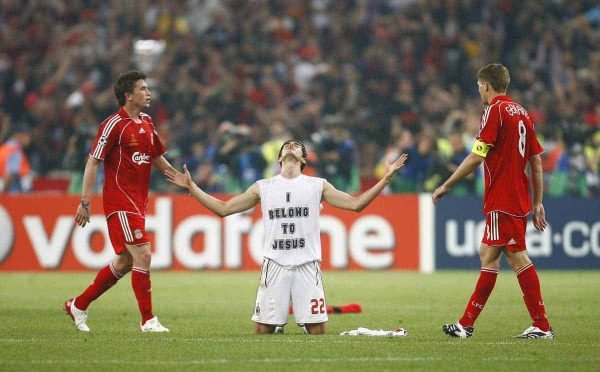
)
(480, 148)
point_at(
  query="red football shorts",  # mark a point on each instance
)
(126, 228)
(502, 229)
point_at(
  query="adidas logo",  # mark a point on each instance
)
(511, 242)
(142, 130)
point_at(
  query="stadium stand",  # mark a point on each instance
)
(359, 81)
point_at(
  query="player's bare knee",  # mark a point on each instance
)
(263, 329)
(517, 260)
(142, 261)
(315, 329)
(123, 263)
(511, 263)
(146, 258)
(141, 257)
(490, 256)
(123, 267)
(490, 262)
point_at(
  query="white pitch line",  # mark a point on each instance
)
(278, 360)
(222, 361)
(302, 339)
(173, 340)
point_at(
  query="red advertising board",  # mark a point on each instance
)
(38, 232)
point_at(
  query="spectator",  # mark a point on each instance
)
(15, 172)
(421, 158)
(207, 178)
(380, 65)
(270, 149)
(446, 165)
(337, 155)
(78, 148)
(592, 156)
(569, 176)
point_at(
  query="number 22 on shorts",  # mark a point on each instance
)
(318, 306)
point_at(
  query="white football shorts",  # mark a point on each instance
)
(300, 286)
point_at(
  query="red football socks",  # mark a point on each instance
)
(483, 289)
(532, 295)
(106, 278)
(344, 309)
(140, 281)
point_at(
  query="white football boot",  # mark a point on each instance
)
(458, 330)
(535, 332)
(153, 325)
(79, 317)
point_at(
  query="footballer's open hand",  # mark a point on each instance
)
(392, 168)
(438, 193)
(539, 217)
(183, 180)
(83, 213)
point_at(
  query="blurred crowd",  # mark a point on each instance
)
(358, 81)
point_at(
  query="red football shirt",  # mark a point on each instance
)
(127, 149)
(507, 127)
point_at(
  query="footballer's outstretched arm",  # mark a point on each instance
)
(239, 203)
(89, 179)
(468, 166)
(340, 199)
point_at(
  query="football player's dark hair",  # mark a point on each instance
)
(126, 84)
(304, 155)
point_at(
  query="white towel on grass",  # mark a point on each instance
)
(361, 331)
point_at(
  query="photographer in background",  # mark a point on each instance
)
(15, 172)
(337, 155)
(240, 161)
(78, 146)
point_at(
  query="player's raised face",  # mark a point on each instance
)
(292, 148)
(141, 94)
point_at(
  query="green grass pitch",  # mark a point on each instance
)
(209, 317)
